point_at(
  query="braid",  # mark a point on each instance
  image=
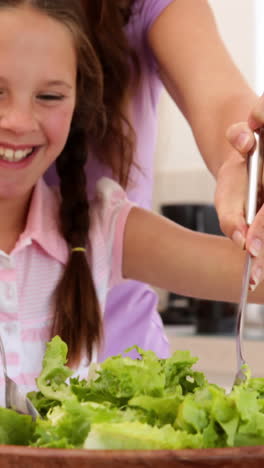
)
(77, 315)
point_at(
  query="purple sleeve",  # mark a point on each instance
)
(144, 15)
(149, 12)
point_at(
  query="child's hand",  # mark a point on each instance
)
(231, 192)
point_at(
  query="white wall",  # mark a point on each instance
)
(259, 12)
(180, 174)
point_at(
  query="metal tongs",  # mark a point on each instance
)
(14, 398)
(255, 171)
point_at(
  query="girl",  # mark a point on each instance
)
(59, 254)
(142, 46)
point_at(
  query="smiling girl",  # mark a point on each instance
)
(60, 255)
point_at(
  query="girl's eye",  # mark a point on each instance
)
(51, 97)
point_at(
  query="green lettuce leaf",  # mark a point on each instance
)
(41, 403)
(121, 378)
(52, 380)
(137, 436)
(15, 429)
(191, 417)
(66, 426)
(246, 402)
(162, 410)
(178, 372)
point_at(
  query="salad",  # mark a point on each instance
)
(148, 403)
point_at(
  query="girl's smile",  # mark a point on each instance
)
(17, 157)
(37, 96)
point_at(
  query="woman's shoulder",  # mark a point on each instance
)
(145, 12)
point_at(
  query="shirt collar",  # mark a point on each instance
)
(42, 224)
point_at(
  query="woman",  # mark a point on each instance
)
(144, 45)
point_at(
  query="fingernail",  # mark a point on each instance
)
(239, 239)
(255, 278)
(242, 140)
(255, 247)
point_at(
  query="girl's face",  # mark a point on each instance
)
(37, 96)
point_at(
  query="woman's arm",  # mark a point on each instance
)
(164, 254)
(200, 76)
(212, 94)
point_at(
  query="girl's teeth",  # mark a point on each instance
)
(7, 154)
(18, 155)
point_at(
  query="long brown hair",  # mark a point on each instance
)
(107, 19)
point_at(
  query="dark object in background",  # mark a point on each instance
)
(210, 317)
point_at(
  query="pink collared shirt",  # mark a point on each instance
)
(29, 274)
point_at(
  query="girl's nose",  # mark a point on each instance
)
(18, 119)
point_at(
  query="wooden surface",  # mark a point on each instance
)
(246, 457)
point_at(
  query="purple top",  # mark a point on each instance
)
(131, 315)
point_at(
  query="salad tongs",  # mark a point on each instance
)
(255, 171)
(14, 398)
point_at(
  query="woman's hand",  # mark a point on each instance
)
(231, 192)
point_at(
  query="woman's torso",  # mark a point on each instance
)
(136, 302)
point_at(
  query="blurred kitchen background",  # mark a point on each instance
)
(184, 192)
